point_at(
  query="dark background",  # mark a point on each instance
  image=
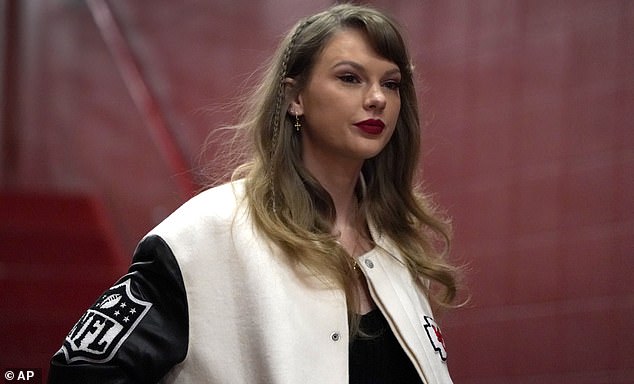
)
(528, 141)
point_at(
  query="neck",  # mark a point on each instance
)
(340, 182)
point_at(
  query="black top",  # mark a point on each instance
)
(378, 358)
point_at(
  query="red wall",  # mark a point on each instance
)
(529, 145)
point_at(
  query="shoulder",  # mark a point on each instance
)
(218, 202)
(212, 209)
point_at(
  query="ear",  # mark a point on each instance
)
(295, 107)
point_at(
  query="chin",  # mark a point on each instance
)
(370, 154)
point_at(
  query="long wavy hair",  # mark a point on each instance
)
(295, 212)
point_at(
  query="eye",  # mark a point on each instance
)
(392, 85)
(349, 78)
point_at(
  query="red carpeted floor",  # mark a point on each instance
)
(57, 254)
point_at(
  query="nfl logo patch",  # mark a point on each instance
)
(101, 331)
(435, 337)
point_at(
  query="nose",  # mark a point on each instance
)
(375, 98)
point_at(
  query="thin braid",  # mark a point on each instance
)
(278, 109)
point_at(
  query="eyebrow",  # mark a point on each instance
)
(360, 67)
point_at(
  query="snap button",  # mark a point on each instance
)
(369, 263)
(335, 336)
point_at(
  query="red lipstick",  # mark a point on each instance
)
(371, 126)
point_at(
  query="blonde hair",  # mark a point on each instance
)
(293, 210)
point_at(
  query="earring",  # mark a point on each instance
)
(298, 125)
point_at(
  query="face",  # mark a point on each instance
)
(350, 103)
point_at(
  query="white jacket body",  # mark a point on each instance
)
(242, 313)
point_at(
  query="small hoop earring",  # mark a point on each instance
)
(298, 125)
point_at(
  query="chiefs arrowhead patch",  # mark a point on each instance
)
(435, 337)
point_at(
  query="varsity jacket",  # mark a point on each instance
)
(208, 299)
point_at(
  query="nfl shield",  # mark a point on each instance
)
(101, 331)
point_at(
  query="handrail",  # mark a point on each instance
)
(142, 96)
(8, 130)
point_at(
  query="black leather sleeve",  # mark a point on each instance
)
(136, 331)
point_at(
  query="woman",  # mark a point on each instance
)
(317, 263)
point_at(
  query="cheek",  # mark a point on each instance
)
(397, 105)
(395, 112)
(332, 111)
(391, 134)
(394, 117)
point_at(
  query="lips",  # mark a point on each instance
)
(371, 126)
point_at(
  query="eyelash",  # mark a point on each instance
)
(349, 78)
(390, 84)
